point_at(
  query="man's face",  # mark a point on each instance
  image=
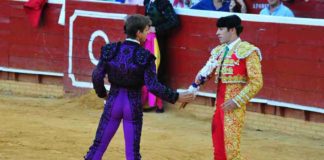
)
(142, 35)
(223, 34)
(273, 2)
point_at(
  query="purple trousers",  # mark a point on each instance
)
(121, 105)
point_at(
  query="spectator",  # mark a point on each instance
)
(121, 1)
(221, 5)
(164, 19)
(184, 3)
(238, 6)
(135, 2)
(277, 8)
(213, 5)
(290, 1)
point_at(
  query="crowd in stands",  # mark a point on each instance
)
(273, 7)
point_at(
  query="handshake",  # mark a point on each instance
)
(190, 94)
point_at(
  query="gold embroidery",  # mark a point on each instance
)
(240, 88)
(232, 79)
(245, 49)
(217, 51)
(233, 123)
(227, 70)
(230, 62)
(255, 80)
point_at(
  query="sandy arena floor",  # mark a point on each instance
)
(63, 129)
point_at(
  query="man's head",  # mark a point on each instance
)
(229, 28)
(137, 27)
(274, 3)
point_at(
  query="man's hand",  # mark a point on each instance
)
(105, 97)
(186, 97)
(197, 79)
(229, 105)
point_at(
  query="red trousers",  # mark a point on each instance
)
(218, 125)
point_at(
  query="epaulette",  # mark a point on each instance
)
(143, 56)
(217, 51)
(109, 51)
(245, 49)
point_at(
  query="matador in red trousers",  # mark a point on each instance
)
(238, 78)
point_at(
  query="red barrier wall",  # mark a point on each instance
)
(25, 47)
(293, 63)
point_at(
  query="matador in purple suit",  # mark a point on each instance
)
(128, 66)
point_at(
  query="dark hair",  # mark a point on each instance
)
(237, 8)
(232, 21)
(134, 23)
(289, 1)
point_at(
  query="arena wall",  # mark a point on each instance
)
(292, 49)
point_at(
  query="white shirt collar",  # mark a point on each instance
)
(231, 45)
(132, 40)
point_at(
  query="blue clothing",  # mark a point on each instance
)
(281, 10)
(121, 1)
(209, 5)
